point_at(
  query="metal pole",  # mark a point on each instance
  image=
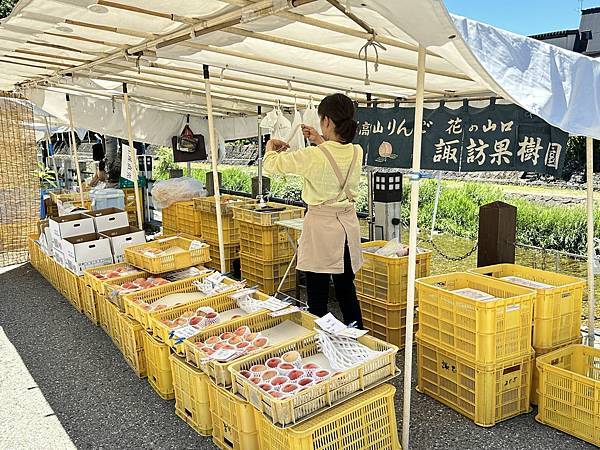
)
(133, 157)
(436, 202)
(370, 205)
(189, 169)
(51, 150)
(590, 238)
(214, 152)
(260, 156)
(412, 246)
(74, 149)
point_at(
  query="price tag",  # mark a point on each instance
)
(332, 325)
(226, 354)
(353, 333)
(215, 278)
(284, 312)
(273, 304)
(185, 332)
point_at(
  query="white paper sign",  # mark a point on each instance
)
(332, 325)
(195, 245)
(127, 169)
(185, 332)
(283, 312)
(273, 304)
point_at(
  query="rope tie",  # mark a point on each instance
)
(363, 53)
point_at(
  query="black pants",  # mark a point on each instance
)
(317, 291)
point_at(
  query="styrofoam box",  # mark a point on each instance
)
(123, 237)
(71, 225)
(109, 219)
(86, 251)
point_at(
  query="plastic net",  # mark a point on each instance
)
(19, 185)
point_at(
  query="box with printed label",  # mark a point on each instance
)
(86, 251)
(71, 225)
(123, 237)
(109, 219)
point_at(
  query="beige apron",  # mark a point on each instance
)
(327, 229)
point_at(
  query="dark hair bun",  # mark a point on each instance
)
(340, 109)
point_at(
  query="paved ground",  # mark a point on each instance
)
(102, 404)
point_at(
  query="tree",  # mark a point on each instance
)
(6, 7)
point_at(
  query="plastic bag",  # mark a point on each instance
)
(296, 139)
(165, 193)
(393, 248)
(311, 117)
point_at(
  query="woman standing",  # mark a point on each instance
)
(329, 246)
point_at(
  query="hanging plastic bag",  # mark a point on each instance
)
(296, 139)
(311, 117)
(165, 193)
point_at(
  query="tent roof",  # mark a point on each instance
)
(289, 52)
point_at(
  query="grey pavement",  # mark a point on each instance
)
(102, 404)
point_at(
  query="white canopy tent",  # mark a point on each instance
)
(135, 69)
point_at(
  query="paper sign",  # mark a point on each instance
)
(283, 312)
(274, 304)
(185, 332)
(353, 333)
(195, 245)
(330, 324)
(127, 169)
(226, 354)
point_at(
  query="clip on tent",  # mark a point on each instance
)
(282, 52)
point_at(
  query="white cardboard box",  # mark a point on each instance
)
(86, 251)
(68, 226)
(123, 237)
(109, 219)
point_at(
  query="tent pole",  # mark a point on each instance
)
(74, 149)
(590, 238)
(134, 161)
(412, 255)
(214, 157)
(260, 156)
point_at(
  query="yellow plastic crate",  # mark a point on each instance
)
(314, 399)
(266, 218)
(188, 218)
(266, 243)
(219, 302)
(385, 321)
(102, 313)
(114, 325)
(484, 332)
(219, 371)
(556, 311)
(207, 204)
(161, 264)
(191, 395)
(535, 379)
(366, 422)
(88, 301)
(35, 251)
(569, 392)
(386, 278)
(208, 217)
(158, 367)
(70, 283)
(267, 274)
(486, 394)
(133, 303)
(234, 425)
(169, 217)
(132, 345)
(232, 252)
(98, 285)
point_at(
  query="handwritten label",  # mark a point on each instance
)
(332, 325)
(284, 312)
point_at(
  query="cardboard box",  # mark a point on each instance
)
(68, 226)
(109, 219)
(123, 237)
(86, 251)
(46, 241)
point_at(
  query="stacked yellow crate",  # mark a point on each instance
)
(474, 345)
(231, 231)
(265, 247)
(556, 311)
(182, 218)
(381, 286)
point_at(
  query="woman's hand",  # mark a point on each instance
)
(275, 145)
(311, 134)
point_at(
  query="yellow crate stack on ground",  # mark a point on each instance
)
(130, 206)
(381, 287)
(367, 421)
(158, 367)
(265, 250)
(474, 345)
(569, 392)
(132, 344)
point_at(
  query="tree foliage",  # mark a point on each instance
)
(6, 7)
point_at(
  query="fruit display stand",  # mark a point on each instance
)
(367, 421)
(385, 278)
(279, 330)
(314, 399)
(535, 379)
(485, 393)
(98, 277)
(492, 327)
(191, 395)
(170, 254)
(569, 391)
(558, 302)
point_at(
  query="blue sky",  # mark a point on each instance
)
(523, 16)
